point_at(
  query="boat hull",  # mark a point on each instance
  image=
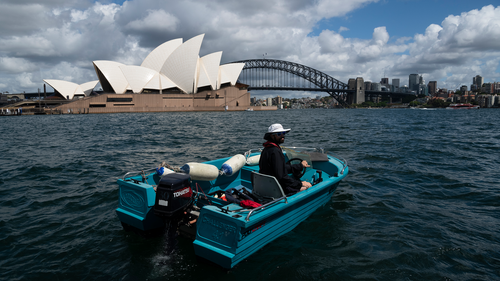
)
(226, 243)
(463, 106)
(226, 233)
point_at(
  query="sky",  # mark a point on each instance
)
(445, 41)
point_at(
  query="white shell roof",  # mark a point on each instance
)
(173, 64)
(158, 56)
(181, 65)
(229, 73)
(209, 70)
(111, 70)
(137, 76)
(88, 87)
(69, 89)
(159, 81)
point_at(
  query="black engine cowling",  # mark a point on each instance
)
(173, 195)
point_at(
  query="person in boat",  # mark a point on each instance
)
(272, 161)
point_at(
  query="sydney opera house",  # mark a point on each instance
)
(171, 78)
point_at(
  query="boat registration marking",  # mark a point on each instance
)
(163, 202)
(248, 232)
(219, 224)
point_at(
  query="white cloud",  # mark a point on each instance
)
(16, 65)
(158, 20)
(343, 28)
(25, 80)
(63, 38)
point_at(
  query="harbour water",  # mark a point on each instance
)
(421, 201)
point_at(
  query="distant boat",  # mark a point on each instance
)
(249, 109)
(462, 106)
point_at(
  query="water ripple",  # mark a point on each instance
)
(420, 202)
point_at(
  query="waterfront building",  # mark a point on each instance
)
(496, 87)
(488, 88)
(173, 67)
(486, 100)
(173, 77)
(269, 101)
(463, 88)
(278, 100)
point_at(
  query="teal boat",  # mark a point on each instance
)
(201, 200)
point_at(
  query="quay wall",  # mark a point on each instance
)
(234, 98)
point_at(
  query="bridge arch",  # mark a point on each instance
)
(319, 81)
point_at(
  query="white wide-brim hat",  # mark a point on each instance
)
(276, 128)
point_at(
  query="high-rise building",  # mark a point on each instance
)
(395, 83)
(478, 81)
(422, 89)
(269, 101)
(432, 87)
(278, 100)
(384, 81)
(413, 82)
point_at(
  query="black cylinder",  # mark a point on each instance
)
(173, 195)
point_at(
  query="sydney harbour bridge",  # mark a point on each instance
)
(279, 75)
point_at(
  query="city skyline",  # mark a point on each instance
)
(446, 41)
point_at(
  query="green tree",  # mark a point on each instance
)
(409, 99)
(438, 103)
(368, 103)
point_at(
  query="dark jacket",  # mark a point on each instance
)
(272, 162)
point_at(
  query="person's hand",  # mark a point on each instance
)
(305, 185)
(305, 164)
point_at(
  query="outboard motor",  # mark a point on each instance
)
(173, 195)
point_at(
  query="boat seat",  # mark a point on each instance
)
(266, 186)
